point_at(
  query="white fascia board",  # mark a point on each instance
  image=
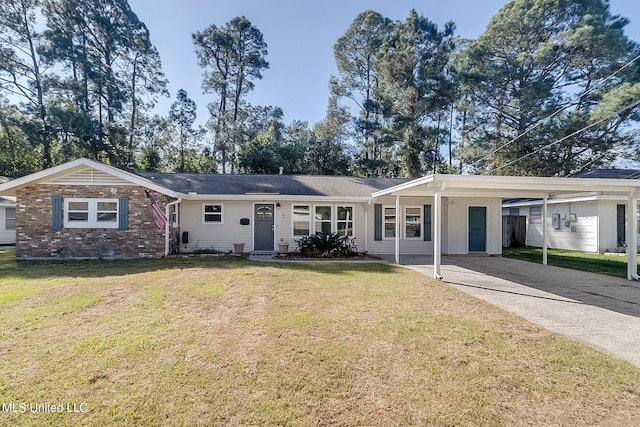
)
(526, 186)
(403, 187)
(9, 188)
(556, 201)
(275, 197)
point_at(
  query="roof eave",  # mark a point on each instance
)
(273, 197)
(10, 187)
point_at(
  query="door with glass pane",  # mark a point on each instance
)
(263, 227)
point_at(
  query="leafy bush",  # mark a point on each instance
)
(326, 245)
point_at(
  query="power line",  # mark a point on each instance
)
(559, 110)
(633, 104)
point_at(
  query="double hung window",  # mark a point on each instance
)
(212, 213)
(91, 213)
(413, 223)
(313, 219)
(10, 219)
(389, 222)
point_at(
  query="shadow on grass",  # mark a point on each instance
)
(28, 269)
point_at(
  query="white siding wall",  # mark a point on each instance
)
(284, 224)
(407, 246)
(457, 236)
(7, 237)
(87, 176)
(454, 223)
(216, 235)
(223, 236)
(585, 236)
(607, 211)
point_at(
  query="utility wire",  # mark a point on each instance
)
(629, 106)
(559, 110)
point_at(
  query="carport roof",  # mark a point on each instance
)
(506, 186)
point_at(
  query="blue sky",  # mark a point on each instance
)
(300, 35)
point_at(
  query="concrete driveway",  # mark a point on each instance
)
(600, 311)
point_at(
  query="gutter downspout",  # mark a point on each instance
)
(632, 246)
(167, 225)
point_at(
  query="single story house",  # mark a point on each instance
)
(85, 208)
(7, 220)
(593, 221)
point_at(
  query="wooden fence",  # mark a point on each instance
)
(514, 231)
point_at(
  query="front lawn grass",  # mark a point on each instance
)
(231, 342)
(613, 265)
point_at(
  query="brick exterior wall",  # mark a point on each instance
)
(36, 239)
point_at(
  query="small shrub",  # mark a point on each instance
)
(326, 245)
(206, 251)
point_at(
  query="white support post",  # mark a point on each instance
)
(544, 229)
(397, 229)
(632, 237)
(366, 226)
(437, 232)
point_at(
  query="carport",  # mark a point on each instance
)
(448, 187)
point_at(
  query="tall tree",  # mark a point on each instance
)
(158, 149)
(277, 147)
(142, 70)
(544, 88)
(328, 152)
(417, 83)
(111, 64)
(233, 57)
(182, 114)
(356, 54)
(263, 153)
(17, 156)
(22, 68)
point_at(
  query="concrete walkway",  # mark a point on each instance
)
(600, 311)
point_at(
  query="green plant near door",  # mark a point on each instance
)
(326, 245)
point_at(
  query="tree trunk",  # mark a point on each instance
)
(42, 111)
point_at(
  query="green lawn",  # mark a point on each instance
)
(230, 342)
(613, 265)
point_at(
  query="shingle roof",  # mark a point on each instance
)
(610, 174)
(295, 185)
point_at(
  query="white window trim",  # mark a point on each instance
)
(92, 222)
(7, 218)
(537, 220)
(311, 210)
(334, 217)
(384, 235)
(331, 221)
(221, 214)
(352, 220)
(420, 222)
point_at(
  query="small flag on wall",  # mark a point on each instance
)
(158, 215)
